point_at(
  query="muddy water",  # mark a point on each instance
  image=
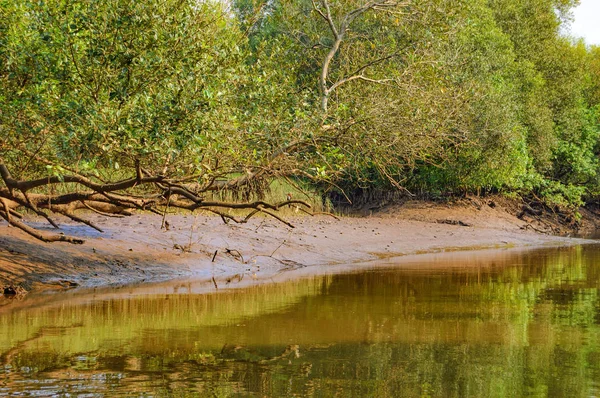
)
(510, 324)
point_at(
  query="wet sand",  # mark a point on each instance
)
(136, 250)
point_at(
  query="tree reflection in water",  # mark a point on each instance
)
(517, 324)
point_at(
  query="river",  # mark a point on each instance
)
(510, 323)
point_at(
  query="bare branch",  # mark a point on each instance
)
(329, 18)
(78, 219)
(277, 217)
(318, 10)
(225, 217)
(35, 233)
(360, 77)
(112, 199)
(339, 33)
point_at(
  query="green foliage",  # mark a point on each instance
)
(480, 95)
(553, 79)
(593, 83)
(494, 153)
(435, 96)
(104, 83)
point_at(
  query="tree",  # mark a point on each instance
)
(401, 90)
(113, 105)
(553, 80)
(594, 90)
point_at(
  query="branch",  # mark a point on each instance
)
(116, 212)
(328, 20)
(225, 217)
(360, 77)
(276, 217)
(339, 34)
(79, 219)
(38, 235)
(112, 198)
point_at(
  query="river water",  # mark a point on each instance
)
(503, 324)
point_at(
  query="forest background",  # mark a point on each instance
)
(112, 105)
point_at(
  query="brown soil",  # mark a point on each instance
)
(136, 249)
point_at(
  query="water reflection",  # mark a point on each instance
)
(517, 324)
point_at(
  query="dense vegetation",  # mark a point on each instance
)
(190, 97)
(440, 96)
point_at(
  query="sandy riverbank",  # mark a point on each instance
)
(136, 249)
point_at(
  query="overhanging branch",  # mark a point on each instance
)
(115, 198)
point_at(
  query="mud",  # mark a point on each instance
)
(200, 247)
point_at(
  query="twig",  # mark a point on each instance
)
(164, 224)
(236, 254)
(281, 244)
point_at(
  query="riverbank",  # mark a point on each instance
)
(135, 249)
